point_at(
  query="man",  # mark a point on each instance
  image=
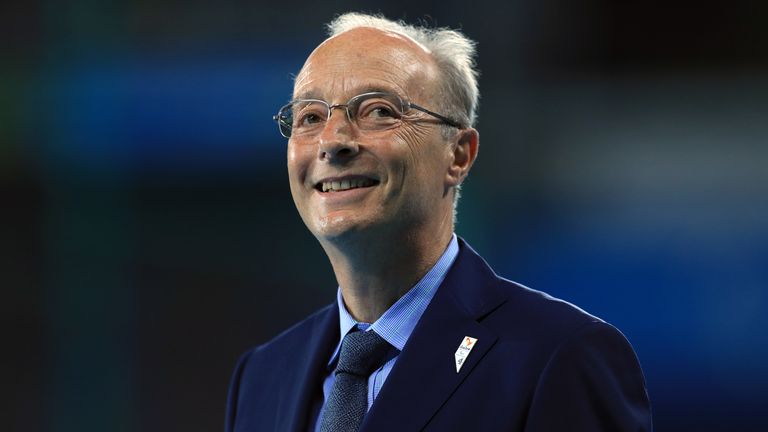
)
(423, 335)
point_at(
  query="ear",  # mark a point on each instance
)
(463, 154)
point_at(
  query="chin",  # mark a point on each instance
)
(336, 227)
(331, 226)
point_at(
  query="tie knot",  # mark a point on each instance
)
(361, 353)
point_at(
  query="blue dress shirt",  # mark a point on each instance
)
(395, 325)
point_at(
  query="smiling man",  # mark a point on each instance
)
(423, 334)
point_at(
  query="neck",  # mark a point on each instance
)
(374, 273)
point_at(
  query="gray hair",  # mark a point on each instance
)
(453, 52)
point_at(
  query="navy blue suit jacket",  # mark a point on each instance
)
(539, 364)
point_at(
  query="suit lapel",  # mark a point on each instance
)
(306, 384)
(426, 365)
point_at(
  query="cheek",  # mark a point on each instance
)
(409, 142)
(298, 163)
(424, 154)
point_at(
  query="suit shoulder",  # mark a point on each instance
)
(512, 309)
(294, 337)
(266, 374)
(552, 329)
(541, 314)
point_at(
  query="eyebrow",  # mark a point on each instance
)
(315, 94)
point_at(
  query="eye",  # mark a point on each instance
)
(381, 112)
(309, 116)
(377, 110)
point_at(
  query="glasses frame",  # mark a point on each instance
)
(405, 105)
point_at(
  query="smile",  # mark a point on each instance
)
(343, 184)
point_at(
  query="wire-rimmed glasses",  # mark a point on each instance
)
(373, 111)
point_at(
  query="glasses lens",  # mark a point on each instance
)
(369, 111)
(376, 111)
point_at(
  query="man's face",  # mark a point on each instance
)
(400, 173)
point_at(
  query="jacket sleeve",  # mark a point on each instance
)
(592, 382)
(233, 393)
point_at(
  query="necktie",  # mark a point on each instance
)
(361, 353)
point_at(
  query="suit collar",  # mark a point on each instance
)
(466, 296)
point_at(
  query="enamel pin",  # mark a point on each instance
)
(464, 349)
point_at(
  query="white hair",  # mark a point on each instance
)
(453, 52)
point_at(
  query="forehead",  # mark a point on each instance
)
(366, 59)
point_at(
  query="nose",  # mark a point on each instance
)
(336, 140)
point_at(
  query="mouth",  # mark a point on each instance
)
(340, 184)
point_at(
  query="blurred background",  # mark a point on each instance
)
(148, 237)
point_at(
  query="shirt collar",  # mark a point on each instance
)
(397, 323)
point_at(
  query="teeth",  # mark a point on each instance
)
(335, 186)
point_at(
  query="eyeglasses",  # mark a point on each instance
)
(372, 111)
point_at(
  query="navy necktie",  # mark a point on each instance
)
(361, 354)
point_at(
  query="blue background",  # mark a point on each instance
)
(148, 237)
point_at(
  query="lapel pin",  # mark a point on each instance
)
(464, 349)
